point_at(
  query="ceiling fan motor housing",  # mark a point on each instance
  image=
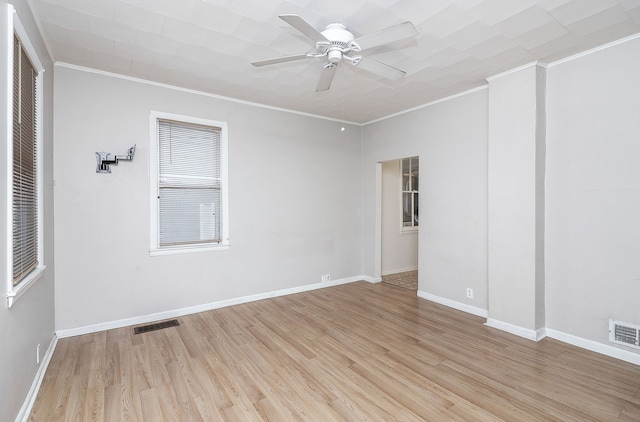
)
(339, 39)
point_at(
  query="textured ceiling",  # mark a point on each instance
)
(208, 45)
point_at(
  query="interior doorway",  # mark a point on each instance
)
(399, 219)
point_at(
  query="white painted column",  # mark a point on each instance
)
(516, 151)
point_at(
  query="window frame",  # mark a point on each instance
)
(14, 292)
(154, 241)
(412, 228)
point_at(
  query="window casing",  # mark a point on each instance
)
(24, 257)
(189, 204)
(409, 169)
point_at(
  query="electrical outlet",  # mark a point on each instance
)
(469, 293)
(325, 278)
(38, 354)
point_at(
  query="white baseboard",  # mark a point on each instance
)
(453, 304)
(371, 279)
(534, 335)
(594, 346)
(143, 319)
(25, 410)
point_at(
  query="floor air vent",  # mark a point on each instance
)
(156, 326)
(624, 333)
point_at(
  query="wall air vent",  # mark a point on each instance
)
(624, 333)
(156, 326)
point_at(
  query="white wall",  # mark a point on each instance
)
(593, 192)
(294, 185)
(450, 138)
(399, 248)
(29, 321)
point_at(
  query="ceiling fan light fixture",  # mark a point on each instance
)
(334, 55)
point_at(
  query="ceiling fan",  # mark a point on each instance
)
(336, 43)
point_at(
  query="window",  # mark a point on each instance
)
(189, 196)
(24, 161)
(409, 167)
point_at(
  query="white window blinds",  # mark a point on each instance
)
(25, 190)
(189, 184)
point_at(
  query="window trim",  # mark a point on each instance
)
(14, 26)
(154, 246)
(404, 230)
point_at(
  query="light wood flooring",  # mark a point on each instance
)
(405, 279)
(353, 352)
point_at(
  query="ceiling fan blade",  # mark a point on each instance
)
(387, 35)
(381, 69)
(301, 25)
(279, 60)
(326, 77)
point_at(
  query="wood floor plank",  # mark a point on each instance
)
(186, 407)
(95, 392)
(158, 357)
(113, 402)
(150, 404)
(74, 409)
(168, 402)
(130, 384)
(355, 352)
(215, 393)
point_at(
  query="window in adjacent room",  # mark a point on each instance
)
(24, 159)
(409, 168)
(189, 196)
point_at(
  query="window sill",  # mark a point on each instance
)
(18, 291)
(187, 249)
(408, 230)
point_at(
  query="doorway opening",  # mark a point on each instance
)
(399, 218)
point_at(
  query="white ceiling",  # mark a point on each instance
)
(208, 45)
